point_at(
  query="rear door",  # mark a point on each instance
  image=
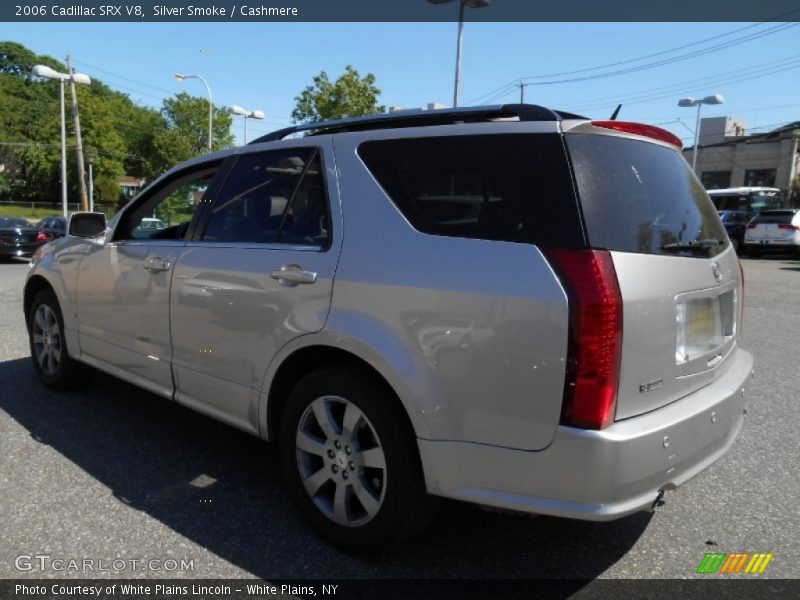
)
(257, 274)
(678, 274)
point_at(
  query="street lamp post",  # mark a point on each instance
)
(247, 114)
(49, 73)
(698, 102)
(460, 38)
(180, 77)
(90, 156)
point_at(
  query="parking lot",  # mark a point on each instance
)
(112, 472)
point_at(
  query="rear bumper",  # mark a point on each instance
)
(599, 475)
(790, 241)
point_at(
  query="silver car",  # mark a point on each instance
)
(508, 305)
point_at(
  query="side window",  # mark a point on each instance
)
(167, 212)
(269, 197)
(514, 188)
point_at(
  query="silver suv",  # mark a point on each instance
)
(510, 306)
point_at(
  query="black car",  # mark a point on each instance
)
(735, 222)
(53, 227)
(18, 237)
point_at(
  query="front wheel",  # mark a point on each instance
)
(351, 461)
(51, 359)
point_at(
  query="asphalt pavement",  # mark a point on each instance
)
(111, 472)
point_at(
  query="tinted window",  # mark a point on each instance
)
(714, 180)
(775, 216)
(513, 188)
(639, 197)
(270, 197)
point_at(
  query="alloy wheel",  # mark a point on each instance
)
(341, 461)
(47, 343)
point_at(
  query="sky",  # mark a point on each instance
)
(265, 66)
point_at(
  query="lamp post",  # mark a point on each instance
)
(180, 77)
(459, 40)
(698, 102)
(90, 156)
(247, 114)
(49, 73)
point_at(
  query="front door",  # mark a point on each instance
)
(124, 284)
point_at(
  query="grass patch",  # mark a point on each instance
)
(26, 212)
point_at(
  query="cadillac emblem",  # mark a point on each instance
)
(716, 271)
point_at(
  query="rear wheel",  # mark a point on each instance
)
(48, 344)
(351, 461)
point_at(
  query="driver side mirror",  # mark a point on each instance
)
(87, 224)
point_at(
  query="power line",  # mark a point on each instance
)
(730, 78)
(505, 89)
(706, 80)
(168, 93)
(654, 54)
(674, 59)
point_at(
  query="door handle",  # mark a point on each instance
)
(156, 263)
(293, 274)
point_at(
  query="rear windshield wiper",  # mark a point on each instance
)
(695, 246)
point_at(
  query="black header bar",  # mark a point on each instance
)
(263, 11)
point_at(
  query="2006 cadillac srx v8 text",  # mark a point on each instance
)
(505, 305)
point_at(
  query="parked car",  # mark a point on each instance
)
(773, 230)
(18, 238)
(509, 305)
(148, 227)
(735, 222)
(53, 227)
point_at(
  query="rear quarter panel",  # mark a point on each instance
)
(476, 329)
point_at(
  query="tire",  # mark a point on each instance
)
(51, 360)
(366, 491)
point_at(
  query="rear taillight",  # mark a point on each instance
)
(655, 133)
(42, 237)
(787, 226)
(751, 225)
(595, 343)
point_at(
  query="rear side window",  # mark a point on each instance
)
(774, 216)
(514, 188)
(640, 197)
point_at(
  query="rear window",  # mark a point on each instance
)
(640, 197)
(514, 188)
(774, 216)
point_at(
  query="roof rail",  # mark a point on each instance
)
(421, 118)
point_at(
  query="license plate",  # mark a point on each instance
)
(699, 328)
(701, 320)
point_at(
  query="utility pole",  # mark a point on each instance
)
(78, 144)
(521, 93)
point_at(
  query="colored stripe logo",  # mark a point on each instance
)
(734, 562)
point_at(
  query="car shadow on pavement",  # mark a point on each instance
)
(222, 489)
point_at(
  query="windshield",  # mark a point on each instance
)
(642, 197)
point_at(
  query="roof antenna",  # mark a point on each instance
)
(616, 112)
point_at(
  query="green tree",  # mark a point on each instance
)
(349, 96)
(185, 132)
(127, 139)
